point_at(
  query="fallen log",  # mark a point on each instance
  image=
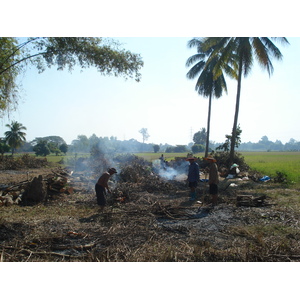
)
(7, 187)
(249, 200)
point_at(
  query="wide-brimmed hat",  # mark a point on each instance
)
(191, 158)
(210, 158)
(112, 170)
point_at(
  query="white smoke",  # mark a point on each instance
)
(178, 172)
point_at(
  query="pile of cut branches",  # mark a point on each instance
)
(138, 177)
(22, 162)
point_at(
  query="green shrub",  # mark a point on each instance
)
(21, 162)
(223, 160)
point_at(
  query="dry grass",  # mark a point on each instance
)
(156, 223)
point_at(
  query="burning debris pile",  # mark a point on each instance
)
(136, 177)
(139, 176)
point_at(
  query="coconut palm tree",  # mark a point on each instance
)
(211, 81)
(15, 136)
(244, 50)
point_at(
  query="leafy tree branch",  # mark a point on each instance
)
(63, 52)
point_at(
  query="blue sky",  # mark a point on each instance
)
(164, 102)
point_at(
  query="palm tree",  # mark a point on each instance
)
(244, 50)
(15, 137)
(211, 81)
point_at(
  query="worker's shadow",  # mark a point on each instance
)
(201, 197)
(98, 217)
(187, 203)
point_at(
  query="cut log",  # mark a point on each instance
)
(249, 200)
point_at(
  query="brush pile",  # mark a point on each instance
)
(24, 161)
(137, 177)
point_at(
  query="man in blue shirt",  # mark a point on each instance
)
(193, 177)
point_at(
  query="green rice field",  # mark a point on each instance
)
(269, 163)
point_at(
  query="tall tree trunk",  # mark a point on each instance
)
(236, 115)
(208, 125)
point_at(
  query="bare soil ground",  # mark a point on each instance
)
(152, 220)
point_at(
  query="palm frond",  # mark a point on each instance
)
(262, 53)
(194, 42)
(195, 70)
(194, 58)
(272, 49)
(282, 40)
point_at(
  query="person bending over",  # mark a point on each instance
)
(102, 186)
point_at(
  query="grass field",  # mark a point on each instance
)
(66, 158)
(57, 158)
(269, 163)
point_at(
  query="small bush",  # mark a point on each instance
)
(281, 177)
(223, 160)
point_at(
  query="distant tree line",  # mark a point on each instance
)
(43, 146)
(264, 144)
(82, 144)
(112, 145)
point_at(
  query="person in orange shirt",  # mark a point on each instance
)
(102, 186)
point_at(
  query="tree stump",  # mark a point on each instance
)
(36, 192)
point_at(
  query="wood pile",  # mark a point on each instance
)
(12, 194)
(59, 183)
(38, 189)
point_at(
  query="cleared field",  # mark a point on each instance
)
(155, 222)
